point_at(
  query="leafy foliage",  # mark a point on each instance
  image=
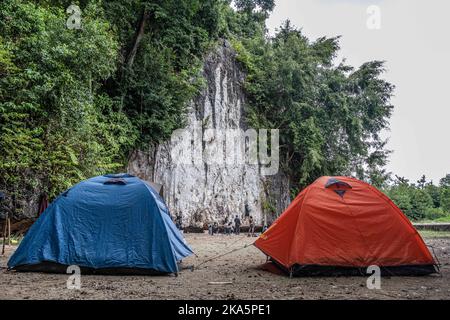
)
(156, 88)
(329, 116)
(56, 127)
(422, 200)
(74, 103)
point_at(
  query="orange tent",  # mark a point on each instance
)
(343, 225)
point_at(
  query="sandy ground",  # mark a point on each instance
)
(242, 268)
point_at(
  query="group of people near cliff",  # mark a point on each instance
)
(227, 227)
(232, 227)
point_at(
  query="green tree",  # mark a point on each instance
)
(400, 193)
(422, 182)
(329, 116)
(163, 43)
(445, 193)
(265, 6)
(74, 103)
(421, 201)
(445, 199)
(56, 128)
(445, 181)
(434, 192)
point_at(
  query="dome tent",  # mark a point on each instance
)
(340, 225)
(111, 223)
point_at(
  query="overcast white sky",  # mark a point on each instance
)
(414, 39)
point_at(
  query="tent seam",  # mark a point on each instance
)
(296, 226)
(164, 223)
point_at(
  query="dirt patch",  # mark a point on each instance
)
(241, 268)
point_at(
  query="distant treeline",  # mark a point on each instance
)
(422, 200)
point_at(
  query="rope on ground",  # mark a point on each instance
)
(221, 255)
(236, 241)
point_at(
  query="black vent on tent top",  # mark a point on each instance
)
(341, 193)
(115, 181)
(333, 182)
(340, 187)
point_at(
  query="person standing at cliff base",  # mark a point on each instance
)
(251, 230)
(237, 225)
(179, 221)
(228, 228)
(210, 229)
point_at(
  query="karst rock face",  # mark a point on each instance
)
(205, 178)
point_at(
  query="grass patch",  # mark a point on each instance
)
(434, 234)
(445, 219)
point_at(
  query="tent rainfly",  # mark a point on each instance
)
(107, 224)
(340, 225)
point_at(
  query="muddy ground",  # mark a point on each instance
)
(242, 268)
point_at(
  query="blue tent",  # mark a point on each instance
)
(106, 222)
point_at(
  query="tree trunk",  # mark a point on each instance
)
(9, 231)
(131, 55)
(137, 38)
(5, 226)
